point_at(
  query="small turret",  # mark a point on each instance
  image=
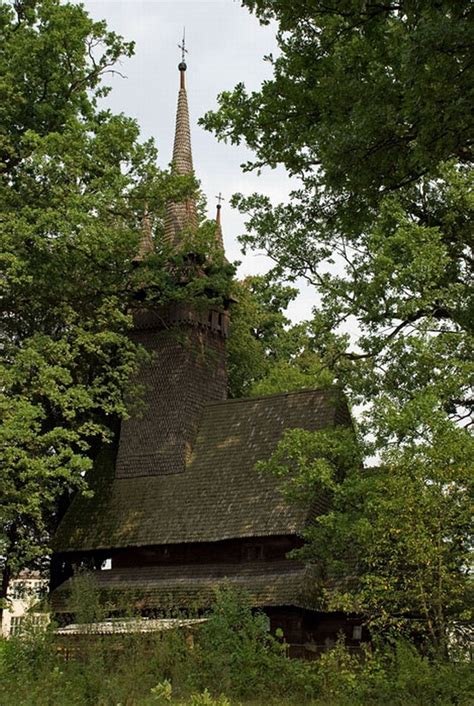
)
(146, 245)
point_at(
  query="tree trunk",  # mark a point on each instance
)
(6, 576)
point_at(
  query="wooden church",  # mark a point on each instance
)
(178, 507)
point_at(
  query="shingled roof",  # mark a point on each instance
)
(219, 495)
(180, 587)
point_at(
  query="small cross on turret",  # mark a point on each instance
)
(220, 199)
(182, 66)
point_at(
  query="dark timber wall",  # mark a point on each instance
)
(186, 372)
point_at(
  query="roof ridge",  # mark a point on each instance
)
(307, 390)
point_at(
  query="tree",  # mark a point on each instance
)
(365, 98)
(69, 233)
(76, 183)
(265, 353)
(395, 547)
(367, 109)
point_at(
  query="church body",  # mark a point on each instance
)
(178, 507)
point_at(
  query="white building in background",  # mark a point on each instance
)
(24, 592)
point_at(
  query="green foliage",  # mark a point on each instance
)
(162, 692)
(75, 185)
(395, 546)
(258, 331)
(71, 180)
(237, 652)
(265, 353)
(376, 94)
(84, 601)
(304, 371)
(398, 675)
(161, 669)
(311, 463)
(366, 107)
(205, 699)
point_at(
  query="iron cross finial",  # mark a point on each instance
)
(182, 46)
(220, 199)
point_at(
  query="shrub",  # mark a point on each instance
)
(237, 655)
(397, 675)
(235, 660)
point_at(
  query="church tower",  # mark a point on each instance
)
(178, 509)
(187, 342)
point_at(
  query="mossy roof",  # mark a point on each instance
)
(219, 496)
(194, 586)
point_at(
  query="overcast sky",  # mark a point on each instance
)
(225, 45)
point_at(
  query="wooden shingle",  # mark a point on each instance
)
(182, 587)
(219, 495)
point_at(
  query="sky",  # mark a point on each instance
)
(226, 45)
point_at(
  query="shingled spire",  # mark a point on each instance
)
(181, 216)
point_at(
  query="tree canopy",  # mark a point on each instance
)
(395, 545)
(368, 109)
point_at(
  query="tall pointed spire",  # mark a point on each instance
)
(183, 215)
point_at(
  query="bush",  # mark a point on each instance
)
(237, 655)
(234, 660)
(397, 675)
